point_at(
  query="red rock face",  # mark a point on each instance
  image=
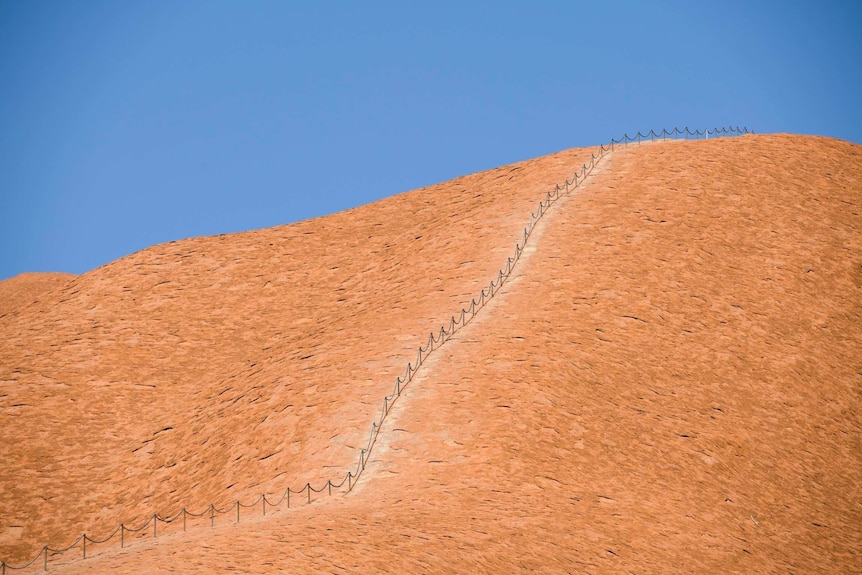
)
(668, 383)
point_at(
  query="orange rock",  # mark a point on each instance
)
(668, 383)
(26, 288)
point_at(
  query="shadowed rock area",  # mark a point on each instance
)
(670, 382)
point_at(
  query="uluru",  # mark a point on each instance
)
(668, 380)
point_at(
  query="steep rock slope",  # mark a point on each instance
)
(215, 369)
(671, 383)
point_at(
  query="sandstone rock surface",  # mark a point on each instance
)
(26, 288)
(671, 381)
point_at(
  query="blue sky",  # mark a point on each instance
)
(127, 124)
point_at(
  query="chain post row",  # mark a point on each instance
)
(504, 273)
(435, 340)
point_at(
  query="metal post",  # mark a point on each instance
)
(308, 486)
(288, 496)
(122, 536)
(237, 511)
(212, 515)
(85, 545)
(184, 518)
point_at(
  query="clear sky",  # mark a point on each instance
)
(126, 124)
